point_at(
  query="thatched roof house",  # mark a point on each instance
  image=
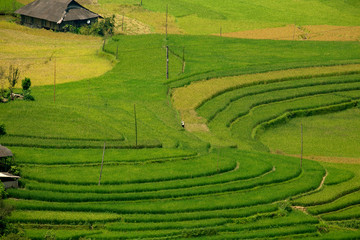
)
(55, 14)
(9, 180)
(5, 152)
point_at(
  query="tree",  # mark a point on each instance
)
(26, 83)
(2, 129)
(13, 77)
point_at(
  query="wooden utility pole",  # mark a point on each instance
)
(167, 62)
(103, 47)
(54, 77)
(135, 125)
(166, 23)
(102, 163)
(183, 60)
(301, 154)
(220, 31)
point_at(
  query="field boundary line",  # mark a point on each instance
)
(64, 138)
(211, 184)
(278, 80)
(123, 162)
(290, 114)
(184, 80)
(290, 98)
(233, 99)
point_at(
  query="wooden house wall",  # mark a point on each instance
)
(11, 183)
(40, 23)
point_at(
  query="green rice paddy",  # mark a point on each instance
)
(216, 181)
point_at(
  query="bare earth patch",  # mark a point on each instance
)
(292, 32)
(300, 208)
(196, 127)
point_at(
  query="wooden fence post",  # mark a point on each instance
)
(301, 154)
(54, 77)
(167, 62)
(135, 126)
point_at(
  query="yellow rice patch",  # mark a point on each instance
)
(34, 52)
(292, 32)
(189, 97)
(345, 160)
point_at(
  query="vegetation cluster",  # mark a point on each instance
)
(13, 76)
(105, 27)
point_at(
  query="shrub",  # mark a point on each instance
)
(28, 96)
(2, 191)
(101, 28)
(2, 129)
(26, 83)
(13, 77)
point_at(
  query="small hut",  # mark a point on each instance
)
(55, 14)
(9, 180)
(6, 158)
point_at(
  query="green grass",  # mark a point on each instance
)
(341, 131)
(59, 217)
(93, 156)
(210, 108)
(340, 203)
(83, 175)
(330, 193)
(348, 213)
(206, 17)
(187, 187)
(9, 6)
(106, 108)
(336, 176)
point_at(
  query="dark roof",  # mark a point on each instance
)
(57, 11)
(5, 152)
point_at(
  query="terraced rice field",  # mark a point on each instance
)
(197, 195)
(219, 184)
(224, 194)
(240, 107)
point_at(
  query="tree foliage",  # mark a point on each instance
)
(2, 129)
(13, 77)
(26, 83)
(103, 27)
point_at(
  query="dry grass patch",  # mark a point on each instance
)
(330, 159)
(196, 127)
(137, 20)
(335, 159)
(292, 32)
(34, 51)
